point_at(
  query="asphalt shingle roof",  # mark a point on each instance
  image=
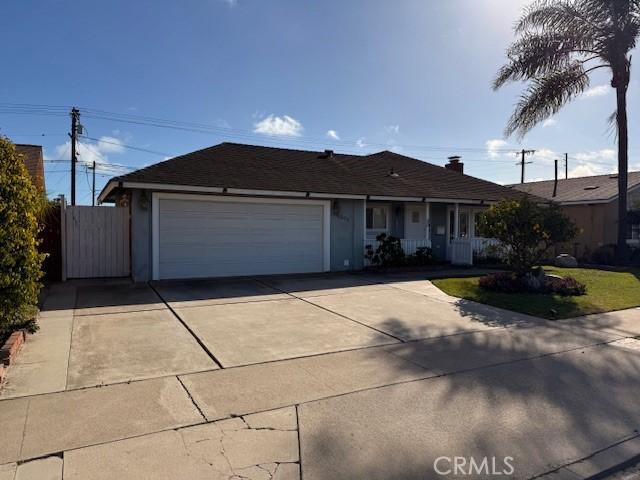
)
(231, 165)
(581, 189)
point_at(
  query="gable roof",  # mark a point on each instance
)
(237, 166)
(33, 160)
(598, 188)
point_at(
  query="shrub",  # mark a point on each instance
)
(604, 255)
(20, 262)
(525, 230)
(389, 252)
(423, 256)
(565, 286)
(507, 282)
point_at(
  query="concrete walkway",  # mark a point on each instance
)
(325, 377)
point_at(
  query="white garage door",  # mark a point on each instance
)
(199, 237)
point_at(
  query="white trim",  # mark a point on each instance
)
(377, 231)
(163, 186)
(277, 193)
(106, 190)
(395, 199)
(337, 195)
(155, 235)
(155, 211)
(266, 193)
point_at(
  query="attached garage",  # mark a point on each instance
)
(215, 236)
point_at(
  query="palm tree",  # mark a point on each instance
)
(559, 43)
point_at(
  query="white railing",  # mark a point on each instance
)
(461, 252)
(409, 246)
(479, 244)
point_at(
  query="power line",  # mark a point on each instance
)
(130, 147)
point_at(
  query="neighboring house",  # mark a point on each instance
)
(236, 209)
(592, 204)
(33, 160)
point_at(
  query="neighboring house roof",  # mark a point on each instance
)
(33, 160)
(236, 166)
(595, 189)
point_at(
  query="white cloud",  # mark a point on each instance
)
(392, 128)
(284, 126)
(493, 146)
(598, 162)
(110, 145)
(91, 152)
(606, 154)
(549, 122)
(597, 91)
(360, 142)
(333, 134)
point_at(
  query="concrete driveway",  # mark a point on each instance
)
(331, 376)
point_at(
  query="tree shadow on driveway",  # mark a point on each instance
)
(544, 412)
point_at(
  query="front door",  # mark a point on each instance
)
(415, 222)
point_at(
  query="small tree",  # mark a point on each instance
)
(526, 230)
(20, 262)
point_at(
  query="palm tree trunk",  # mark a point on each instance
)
(623, 161)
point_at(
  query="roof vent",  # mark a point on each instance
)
(327, 154)
(614, 175)
(591, 187)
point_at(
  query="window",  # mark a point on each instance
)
(476, 222)
(452, 227)
(376, 218)
(415, 216)
(464, 225)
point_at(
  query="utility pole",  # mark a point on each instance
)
(93, 188)
(75, 121)
(566, 165)
(522, 162)
(555, 183)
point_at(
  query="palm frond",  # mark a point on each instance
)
(546, 96)
(561, 16)
(536, 54)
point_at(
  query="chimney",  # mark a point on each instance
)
(327, 154)
(455, 164)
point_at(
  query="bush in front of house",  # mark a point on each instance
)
(604, 255)
(20, 261)
(389, 253)
(526, 230)
(508, 282)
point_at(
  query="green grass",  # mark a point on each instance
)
(606, 291)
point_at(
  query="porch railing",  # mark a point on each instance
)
(409, 246)
(480, 244)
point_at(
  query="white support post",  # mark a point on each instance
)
(427, 220)
(364, 221)
(456, 222)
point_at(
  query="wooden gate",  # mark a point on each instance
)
(96, 242)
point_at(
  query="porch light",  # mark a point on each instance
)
(393, 174)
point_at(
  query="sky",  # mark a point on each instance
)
(356, 76)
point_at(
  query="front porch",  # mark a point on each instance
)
(449, 229)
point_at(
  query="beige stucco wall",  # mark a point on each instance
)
(598, 224)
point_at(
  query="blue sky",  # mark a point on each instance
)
(412, 76)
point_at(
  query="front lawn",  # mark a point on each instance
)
(606, 291)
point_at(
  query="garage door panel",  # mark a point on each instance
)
(210, 238)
